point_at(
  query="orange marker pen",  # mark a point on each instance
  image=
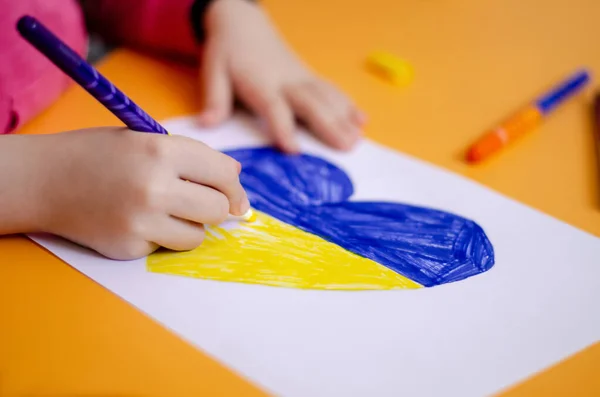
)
(526, 119)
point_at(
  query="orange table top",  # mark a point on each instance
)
(475, 62)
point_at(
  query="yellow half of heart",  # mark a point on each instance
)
(270, 252)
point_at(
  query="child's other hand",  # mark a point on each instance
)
(244, 56)
(124, 193)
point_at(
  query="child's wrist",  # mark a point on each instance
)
(22, 174)
(198, 13)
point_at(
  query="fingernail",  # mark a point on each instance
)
(245, 206)
(291, 148)
(350, 139)
(206, 117)
(356, 131)
(239, 167)
(361, 117)
(347, 144)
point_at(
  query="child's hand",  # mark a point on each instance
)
(245, 56)
(124, 193)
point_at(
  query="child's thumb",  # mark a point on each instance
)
(217, 89)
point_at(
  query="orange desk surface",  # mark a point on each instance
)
(475, 61)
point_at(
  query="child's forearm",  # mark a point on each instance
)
(21, 181)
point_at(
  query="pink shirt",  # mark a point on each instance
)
(29, 82)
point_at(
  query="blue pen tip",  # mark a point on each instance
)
(562, 92)
(583, 76)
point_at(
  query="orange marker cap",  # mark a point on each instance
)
(509, 131)
(484, 147)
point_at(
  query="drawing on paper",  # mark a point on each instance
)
(309, 234)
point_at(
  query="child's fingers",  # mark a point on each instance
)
(216, 86)
(197, 203)
(305, 103)
(273, 107)
(342, 104)
(280, 120)
(325, 119)
(198, 163)
(358, 117)
(126, 248)
(176, 234)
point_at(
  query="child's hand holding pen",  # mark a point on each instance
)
(119, 192)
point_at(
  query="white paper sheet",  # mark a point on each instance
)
(536, 306)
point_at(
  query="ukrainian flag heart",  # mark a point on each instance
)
(308, 234)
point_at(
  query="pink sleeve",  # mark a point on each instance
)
(29, 83)
(160, 26)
